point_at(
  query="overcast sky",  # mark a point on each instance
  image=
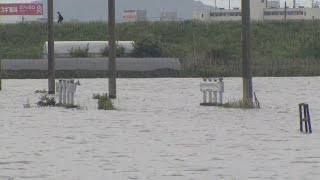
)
(96, 10)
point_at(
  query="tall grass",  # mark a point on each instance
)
(279, 48)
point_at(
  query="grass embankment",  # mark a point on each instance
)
(279, 48)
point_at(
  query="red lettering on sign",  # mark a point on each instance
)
(21, 9)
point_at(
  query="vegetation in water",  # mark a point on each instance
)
(104, 102)
(46, 101)
(244, 104)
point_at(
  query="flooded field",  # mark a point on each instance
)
(159, 132)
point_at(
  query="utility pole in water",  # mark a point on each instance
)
(0, 76)
(51, 60)
(112, 50)
(246, 51)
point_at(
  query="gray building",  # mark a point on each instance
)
(169, 16)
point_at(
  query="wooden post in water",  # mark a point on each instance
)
(246, 51)
(112, 50)
(51, 59)
(0, 76)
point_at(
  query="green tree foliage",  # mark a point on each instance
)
(148, 46)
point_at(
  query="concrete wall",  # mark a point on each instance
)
(96, 64)
(256, 9)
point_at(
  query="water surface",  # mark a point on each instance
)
(160, 132)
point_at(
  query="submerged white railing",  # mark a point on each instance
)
(66, 90)
(212, 90)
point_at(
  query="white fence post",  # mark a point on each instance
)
(221, 90)
(214, 88)
(64, 92)
(73, 88)
(68, 92)
(60, 91)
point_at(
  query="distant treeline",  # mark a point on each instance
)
(279, 48)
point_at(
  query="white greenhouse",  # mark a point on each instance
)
(62, 49)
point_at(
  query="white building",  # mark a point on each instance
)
(134, 15)
(259, 11)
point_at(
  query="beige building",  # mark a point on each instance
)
(259, 11)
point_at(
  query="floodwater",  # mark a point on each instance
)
(159, 131)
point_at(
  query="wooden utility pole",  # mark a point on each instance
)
(285, 10)
(112, 50)
(51, 59)
(246, 51)
(195, 55)
(0, 76)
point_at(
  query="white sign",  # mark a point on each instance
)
(209, 86)
(130, 15)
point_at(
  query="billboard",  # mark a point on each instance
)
(130, 15)
(21, 9)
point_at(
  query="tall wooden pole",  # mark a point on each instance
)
(0, 76)
(285, 10)
(51, 59)
(112, 50)
(246, 51)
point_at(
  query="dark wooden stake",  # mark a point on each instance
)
(51, 59)
(246, 51)
(112, 50)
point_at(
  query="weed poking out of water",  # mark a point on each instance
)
(240, 104)
(40, 91)
(104, 102)
(27, 105)
(46, 101)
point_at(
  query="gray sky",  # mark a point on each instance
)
(86, 10)
(96, 10)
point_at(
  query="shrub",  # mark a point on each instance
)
(46, 101)
(239, 104)
(104, 102)
(79, 52)
(120, 51)
(147, 46)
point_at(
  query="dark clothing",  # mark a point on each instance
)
(60, 18)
